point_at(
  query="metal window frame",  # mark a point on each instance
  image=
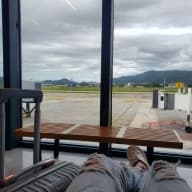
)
(106, 69)
(11, 32)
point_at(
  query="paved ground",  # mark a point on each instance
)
(85, 108)
(130, 110)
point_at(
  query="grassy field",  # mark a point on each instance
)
(57, 89)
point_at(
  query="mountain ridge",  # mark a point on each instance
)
(168, 76)
(148, 77)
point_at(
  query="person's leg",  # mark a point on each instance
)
(163, 177)
(92, 181)
(100, 173)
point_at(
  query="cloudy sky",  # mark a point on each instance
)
(62, 38)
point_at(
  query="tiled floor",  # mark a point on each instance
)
(19, 158)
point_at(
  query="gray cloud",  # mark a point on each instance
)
(61, 42)
(153, 13)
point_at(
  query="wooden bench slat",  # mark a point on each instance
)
(136, 136)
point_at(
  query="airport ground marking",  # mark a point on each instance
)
(122, 114)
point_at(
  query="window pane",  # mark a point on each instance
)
(61, 49)
(152, 49)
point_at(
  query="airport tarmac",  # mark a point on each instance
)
(129, 110)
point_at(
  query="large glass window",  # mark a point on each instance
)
(152, 50)
(61, 42)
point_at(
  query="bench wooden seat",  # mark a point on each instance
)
(130, 136)
(137, 136)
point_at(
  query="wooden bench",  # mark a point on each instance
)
(129, 136)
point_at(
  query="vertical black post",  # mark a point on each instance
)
(37, 136)
(12, 65)
(106, 67)
(2, 140)
(56, 149)
(150, 153)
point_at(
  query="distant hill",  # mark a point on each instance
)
(159, 77)
(60, 82)
(69, 82)
(149, 77)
